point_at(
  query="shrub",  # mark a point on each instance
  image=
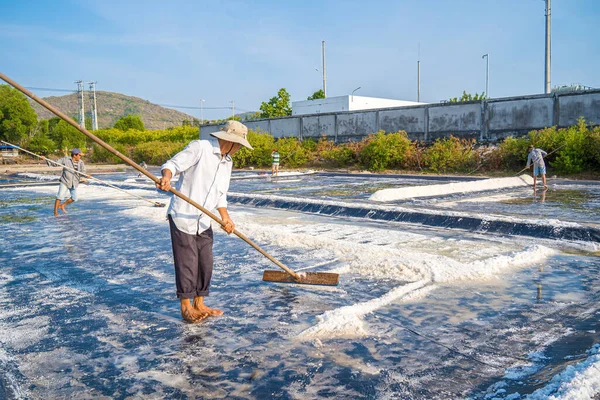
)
(570, 158)
(157, 152)
(127, 122)
(593, 148)
(383, 151)
(513, 152)
(450, 155)
(339, 156)
(292, 154)
(101, 155)
(309, 146)
(263, 144)
(41, 144)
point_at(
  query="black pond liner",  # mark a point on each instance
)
(473, 224)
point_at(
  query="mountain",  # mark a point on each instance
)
(112, 106)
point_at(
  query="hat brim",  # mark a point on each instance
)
(232, 138)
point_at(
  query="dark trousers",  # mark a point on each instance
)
(193, 261)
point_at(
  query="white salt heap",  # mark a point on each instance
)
(450, 188)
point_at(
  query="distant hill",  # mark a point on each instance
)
(111, 106)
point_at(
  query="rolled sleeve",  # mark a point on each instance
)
(222, 201)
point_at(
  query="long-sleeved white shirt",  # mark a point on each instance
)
(204, 177)
(537, 156)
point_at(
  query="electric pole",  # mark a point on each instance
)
(80, 103)
(487, 75)
(324, 70)
(232, 109)
(93, 111)
(201, 117)
(548, 48)
(419, 75)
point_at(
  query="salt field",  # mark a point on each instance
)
(487, 294)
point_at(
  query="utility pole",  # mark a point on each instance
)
(80, 103)
(232, 109)
(324, 70)
(548, 48)
(201, 117)
(419, 75)
(93, 111)
(487, 75)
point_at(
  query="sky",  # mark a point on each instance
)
(182, 52)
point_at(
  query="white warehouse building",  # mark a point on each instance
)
(346, 103)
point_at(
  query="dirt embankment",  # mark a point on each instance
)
(43, 168)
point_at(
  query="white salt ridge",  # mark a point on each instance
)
(450, 188)
(269, 176)
(579, 381)
(347, 321)
(39, 177)
(355, 204)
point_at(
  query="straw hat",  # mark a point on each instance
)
(235, 132)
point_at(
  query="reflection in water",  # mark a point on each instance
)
(539, 285)
(542, 195)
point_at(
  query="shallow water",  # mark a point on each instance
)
(87, 304)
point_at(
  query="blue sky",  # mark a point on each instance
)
(179, 52)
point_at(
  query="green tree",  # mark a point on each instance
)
(127, 122)
(319, 94)
(468, 97)
(17, 117)
(41, 143)
(66, 136)
(278, 106)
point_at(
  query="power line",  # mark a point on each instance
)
(162, 105)
(201, 108)
(51, 89)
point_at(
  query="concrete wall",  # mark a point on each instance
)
(489, 120)
(462, 120)
(571, 107)
(517, 117)
(316, 126)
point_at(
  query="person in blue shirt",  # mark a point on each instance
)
(536, 156)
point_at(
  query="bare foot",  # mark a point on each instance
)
(545, 187)
(62, 207)
(56, 213)
(210, 311)
(204, 309)
(191, 315)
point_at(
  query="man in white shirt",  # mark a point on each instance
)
(205, 171)
(539, 167)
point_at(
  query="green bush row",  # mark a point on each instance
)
(571, 150)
